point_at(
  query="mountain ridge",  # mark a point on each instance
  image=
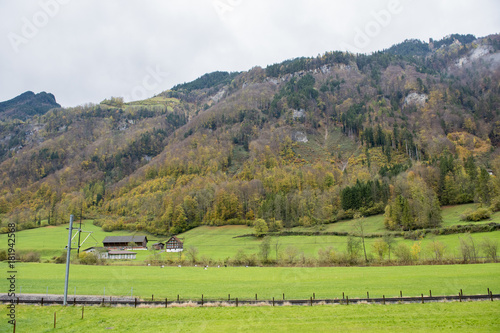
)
(27, 105)
(306, 141)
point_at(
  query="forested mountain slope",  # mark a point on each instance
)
(304, 142)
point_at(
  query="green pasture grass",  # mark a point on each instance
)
(220, 243)
(244, 282)
(450, 317)
(451, 215)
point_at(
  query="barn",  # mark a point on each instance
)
(174, 244)
(124, 242)
(104, 253)
(121, 255)
(158, 246)
(100, 252)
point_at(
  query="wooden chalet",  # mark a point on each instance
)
(174, 244)
(123, 242)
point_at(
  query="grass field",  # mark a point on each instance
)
(219, 243)
(268, 282)
(455, 317)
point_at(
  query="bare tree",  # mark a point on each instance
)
(490, 248)
(360, 228)
(192, 253)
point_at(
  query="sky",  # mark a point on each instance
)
(84, 51)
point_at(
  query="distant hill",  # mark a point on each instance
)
(27, 105)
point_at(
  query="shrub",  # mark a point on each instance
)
(495, 205)
(415, 234)
(437, 249)
(31, 257)
(327, 256)
(490, 248)
(403, 253)
(468, 249)
(3, 255)
(61, 259)
(476, 215)
(88, 258)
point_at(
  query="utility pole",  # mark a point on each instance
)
(68, 259)
(80, 230)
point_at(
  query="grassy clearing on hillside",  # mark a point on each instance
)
(456, 317)
(267, 282)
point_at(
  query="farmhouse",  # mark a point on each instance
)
(123, 242)
(104, 253)
(174, 245)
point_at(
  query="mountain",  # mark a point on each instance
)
(307, 141)
(27, 105)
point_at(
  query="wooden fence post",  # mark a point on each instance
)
(228, 297)
(400, 294)
(166, 302)
(236, 301)
(273, 301)
(491, 295)
(311, 301)
(255, 296)
(367, 295)
(314, 295)
(430, 293)
(383, 299)
(422, 298)
(283, 296)
(152, 298)
(347, 300)
(177, 298)
(460, 297)
(201, 299)
(135, 302)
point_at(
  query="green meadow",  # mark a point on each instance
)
(216, 283)
(220, 243)
(448, 317)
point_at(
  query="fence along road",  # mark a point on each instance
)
(42, 299)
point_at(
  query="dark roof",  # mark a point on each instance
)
(97, 248)
(124, 239)
(176, 239)
(159, 243)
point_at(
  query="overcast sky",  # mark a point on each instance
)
(88, 50)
